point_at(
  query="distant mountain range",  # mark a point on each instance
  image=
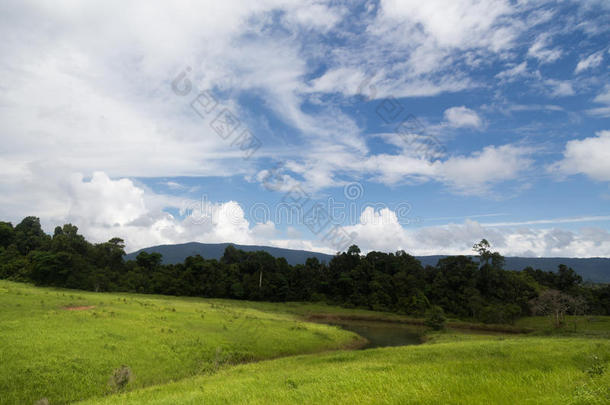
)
(173, 254)
(595, 269)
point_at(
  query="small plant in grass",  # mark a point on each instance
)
(435, 318)
(598, 368)
(120, 378)
(219, 358)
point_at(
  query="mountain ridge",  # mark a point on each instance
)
(596, 269)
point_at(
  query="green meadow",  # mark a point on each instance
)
(495, 370)
(50, 347)
(64, 345)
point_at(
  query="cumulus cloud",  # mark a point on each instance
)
(379, 230)
(103, 208)
(589, 156)
(459, 117)
(459, 238)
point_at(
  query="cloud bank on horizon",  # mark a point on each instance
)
(417, 126)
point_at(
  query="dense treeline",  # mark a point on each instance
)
(396, 282)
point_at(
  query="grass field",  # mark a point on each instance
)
(489, 371)
(591, 326)
(48, 350)
(64, 345)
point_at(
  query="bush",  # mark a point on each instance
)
(435, 318)
(120, 378)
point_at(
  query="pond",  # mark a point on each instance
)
(382, 334)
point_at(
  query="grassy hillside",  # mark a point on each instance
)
(590, 326)
(64, 345)
(492, 370)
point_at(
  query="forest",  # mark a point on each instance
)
(481, 290)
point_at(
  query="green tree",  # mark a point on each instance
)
(29, 236)
(483, 249)
(435, 318)
(7, 234)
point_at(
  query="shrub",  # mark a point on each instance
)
(435, 318)
(120, 378)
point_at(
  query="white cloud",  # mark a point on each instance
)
(85, 92)
(316, 15)
(532, 107)
(174, 185)
(513, 73)
(560, 88)
(346, 80)
(459, 238)
(589, 156)
(103, 208)
(602, 98)
(590, 62)
(434, 44)
(552, 221)
(475, 173)
(379, 230)
(90, 88)
(459, 117)
(541, 51)
(599, 111)
(462, 24)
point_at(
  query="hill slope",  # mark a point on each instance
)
(495, 370)
(65, 344)
(595, 269)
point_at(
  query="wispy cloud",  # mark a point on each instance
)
(590, 62)
(551, 221)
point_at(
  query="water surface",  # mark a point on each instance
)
(382, 334)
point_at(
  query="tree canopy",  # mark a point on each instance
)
(457, 285)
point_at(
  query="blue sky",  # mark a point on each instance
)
(415, 126)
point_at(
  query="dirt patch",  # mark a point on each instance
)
(83, 308)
